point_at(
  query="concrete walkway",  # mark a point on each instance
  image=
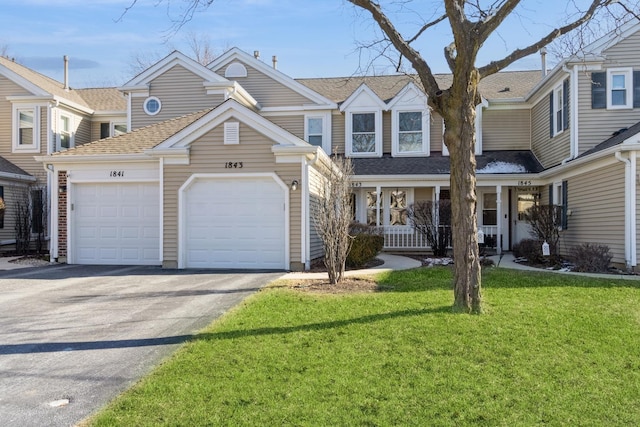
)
(391, 262)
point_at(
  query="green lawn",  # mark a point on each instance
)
(549, 350)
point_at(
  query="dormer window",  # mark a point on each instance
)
(363, 123)
(317, 130)
(409, 123)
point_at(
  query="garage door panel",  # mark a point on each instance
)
(116, 223)
(235, 223)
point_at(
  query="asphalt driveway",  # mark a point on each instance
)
(73, 337)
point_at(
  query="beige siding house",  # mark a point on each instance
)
(223, 166)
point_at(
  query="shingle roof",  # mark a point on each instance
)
(436, 164)
(7, 167)
(503, 85)
(137, 141)
(45, 83)
(617, 138)
(104, 99)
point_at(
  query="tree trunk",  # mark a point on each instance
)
(459, 137)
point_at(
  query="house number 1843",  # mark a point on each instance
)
(233, 165)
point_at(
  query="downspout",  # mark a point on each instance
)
(627, 207)
(52, 185)
(499, 219)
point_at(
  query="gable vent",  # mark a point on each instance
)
(235, 70)
(231, 133)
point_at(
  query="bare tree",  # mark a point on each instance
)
(471, 23)
(200, 50)
(22, 225)
(433, 221)
(332, 217)
(545, 222)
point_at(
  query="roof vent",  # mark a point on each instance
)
(256, 54)
(619, 131)
(506, 89)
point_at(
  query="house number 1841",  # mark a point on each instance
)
(116, 174)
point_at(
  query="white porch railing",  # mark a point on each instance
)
(406, 237)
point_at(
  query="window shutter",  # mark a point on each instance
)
(565, 104)
(636, 89)
(551, 195)
(551, 115)
(599, 90)
(564, 204)
(3, 207)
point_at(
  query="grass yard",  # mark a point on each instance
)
(551, 349)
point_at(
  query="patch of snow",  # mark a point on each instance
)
(430, 262)
(502, 167)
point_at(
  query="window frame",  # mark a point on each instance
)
(558, 110)
(34, 147)
(627, 72)
(377, 133)
(396, 132)
(325, 134)
(61, 130)
(146, 102)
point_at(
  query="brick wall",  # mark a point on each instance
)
(62, 214)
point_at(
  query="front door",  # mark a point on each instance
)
(524, 200)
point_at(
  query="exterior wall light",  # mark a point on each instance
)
(294, 185)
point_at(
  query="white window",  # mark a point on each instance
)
(26, 129)
(118, 129)
(152, 106)
(364, 134)
(619, 82)
(317, 131)
(558, 111)
(65, 132)
(410, 133)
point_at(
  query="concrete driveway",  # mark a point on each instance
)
(73, 337)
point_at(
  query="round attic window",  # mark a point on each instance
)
(152, 106)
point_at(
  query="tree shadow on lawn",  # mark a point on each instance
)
(320, 326)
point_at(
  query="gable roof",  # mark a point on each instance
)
(168, 62)
(503, 85)
(235, 54)
(137, 141)
(38, 84)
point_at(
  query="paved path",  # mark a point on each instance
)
(74, 337)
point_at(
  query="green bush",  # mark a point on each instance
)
(591, 258)
(367, 243)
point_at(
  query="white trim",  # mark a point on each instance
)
(146, 109)
(140, 81)
(326, 128)
(395, 133)
(558, 91)
(236, 54)
(479, 125)
(231, 133)
(377, 152)
(182, 208)
(34, 147)
(161, 207)
(627, 72)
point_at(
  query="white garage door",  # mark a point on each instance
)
(235, 223)
(116, 224)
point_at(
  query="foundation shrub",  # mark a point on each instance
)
(591, 258)
(367, 243)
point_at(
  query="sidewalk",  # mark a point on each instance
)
(391, 262)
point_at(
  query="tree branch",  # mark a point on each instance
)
(426, 27)
(493, 21)
(413, 56)
(496, 66)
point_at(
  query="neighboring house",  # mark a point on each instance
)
(224, 164)
(40, 116)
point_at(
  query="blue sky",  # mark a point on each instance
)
(318, 39)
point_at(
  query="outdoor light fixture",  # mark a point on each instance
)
(294, 185)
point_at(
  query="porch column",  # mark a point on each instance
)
(378, 196)
(499, 219)
(436, 204)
